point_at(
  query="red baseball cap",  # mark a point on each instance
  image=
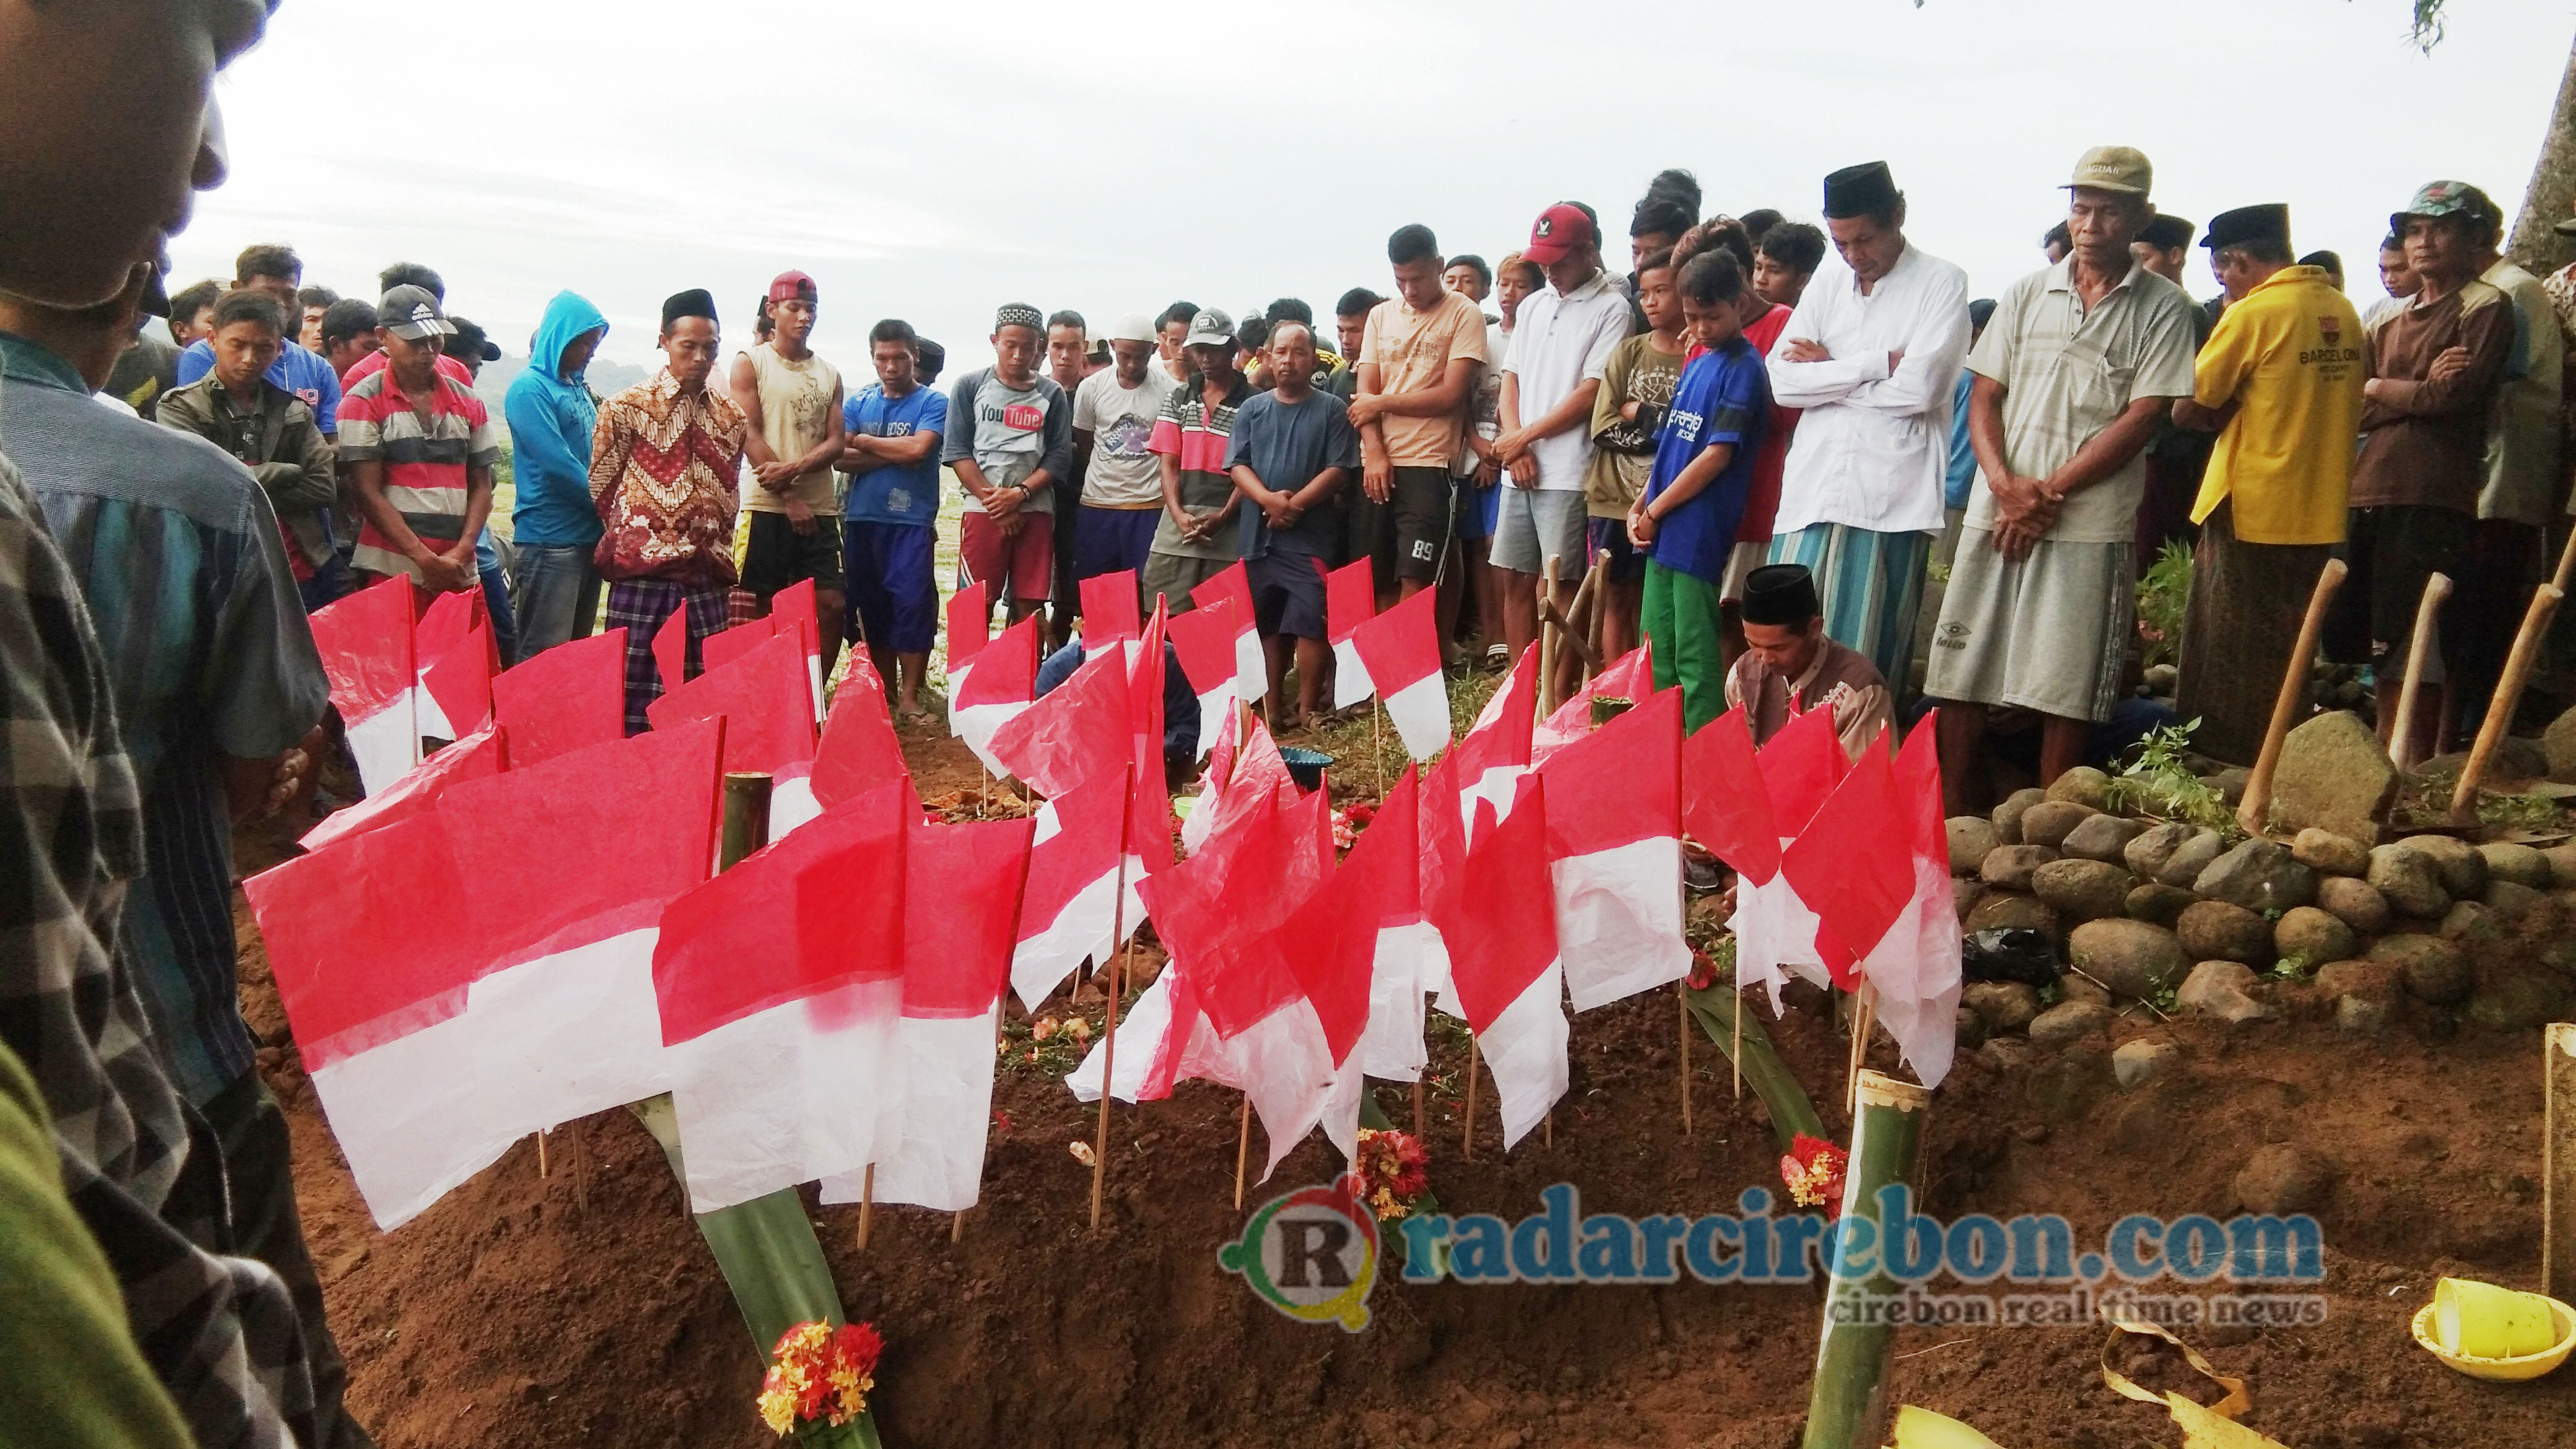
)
(791, 287)
(1560, 230)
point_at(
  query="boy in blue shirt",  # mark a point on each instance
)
(1694, 499)
(892, 457)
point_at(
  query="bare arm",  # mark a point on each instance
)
(744, 383)
(1457, 383)
(478, 511)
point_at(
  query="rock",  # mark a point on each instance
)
(2435, 970)
(2333, 775)
(2154, 846)
(2559, 956)
(2003, 1005)
(2230, 783)
(2368, 980)
(2161, 679)
(2327, 853)
(2071, 987)
(2280, 1178)
(2084, 786)
(2259, 875)
(2409, 880)
(2160, 904)
(2356, 903)
(2190, 858)
(2562, 866)
(2516, 907)
(2464, 871)
(2218, 931)
(2012, 911)
(2471, 923)
(2363, 1018)
(2223, 989)
(2519, 864)
(2007, 816)
(2104, 838)
(1971, 1029)
(2062, 1087)
(2312, 935)
(2068, 1021)
(2009, 867)
(1972, 839)
(2050, 821)
(2132, 958)
(1964, 895)
(2081, 890)
(2136, 1063)
(2515, 758)
(2558, 747)
(2006, 1053)
(2517, 1001)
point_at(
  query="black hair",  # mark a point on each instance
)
(1679, 187)
(1068, 318)
(187, 302)
(1254, 334)
(1713, 279)
(1758, 223)
(1484, 273)
(1729, 233)
(268, 260)
(2165, 232)
(894, 329)
(1356, 301)
(316, 297)
(2057, 236)
(1589, 215)
(1411, 243)
(1793, 244)
(933, 357)
(2327, 260)
(1287, 322)
(1660, 216)
(349, 317)
(1656, 260)
(412, 274)
(1289, 309)
(1980, 312)
(1181, 312)
(2258, 248)
(249, 306)
(467, 342)
(2389, 243)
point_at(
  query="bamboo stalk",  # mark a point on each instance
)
(867, 1204)
(2253, 813)
(1548, 629)
(1467, 1136)
(1735, 1024)
(2508, 693)
(1242, 1150)
(1847, 1408)
(957, 1226)
(2558, 1162)
(2437, 588)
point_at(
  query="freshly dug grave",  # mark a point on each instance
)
(582, 1306)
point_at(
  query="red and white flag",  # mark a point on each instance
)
(1203, 638)
(1256, 777)
(961, 893)
(792, 610)
(1080, 904)
(764, 699)
(568, 698)
(454, 648)
(1496, 751)
(366, 644)
(780, 982)
(1500, 924)
(1350, 600)
(1003, 683)
(1614, 849)
(970, 627)
(858, 751)
(1109, 611)
(1079, 730)
(1149, 795)
(478, 754)
(1400, 649)
(1251, 668)
(671, 648)
(1631, 677)
(1915, 968)
(1357, 950)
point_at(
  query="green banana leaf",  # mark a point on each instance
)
(1792, 1110)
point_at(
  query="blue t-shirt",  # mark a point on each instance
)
(1963, 455)
(1287, 445)
(297, 369)
(1724, 397)
(895, 492)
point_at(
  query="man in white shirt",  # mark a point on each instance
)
(1113, 420)
(1872, 356)
(1559, 350)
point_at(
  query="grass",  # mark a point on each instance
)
(2156, 781)
(2163, 594)
(2430, 802)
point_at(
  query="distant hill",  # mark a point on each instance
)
(606, 378)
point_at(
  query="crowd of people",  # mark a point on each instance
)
(1760, 438)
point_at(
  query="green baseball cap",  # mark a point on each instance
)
(2446, 198)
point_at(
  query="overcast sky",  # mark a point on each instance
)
(932, 161)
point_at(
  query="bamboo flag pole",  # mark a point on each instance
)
(2508, 693)
(1109, 1032)
(1467, 1136)
(2253, 813)
(1847, 1408)
(1417, 1108)
(867, 1203)
(1377, 741)
(1242, 1150)
(1681, 1005)
(2401, 749)
(1735, 984)
(1547, 638)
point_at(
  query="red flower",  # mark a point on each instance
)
(1703, 972)
(1813, 1171)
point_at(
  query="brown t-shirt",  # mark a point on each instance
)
(2422, 442)
(1839, 676)
(1412, 351)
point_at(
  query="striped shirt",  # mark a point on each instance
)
(426, 460)
(1196, 440)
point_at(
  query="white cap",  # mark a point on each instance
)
(1134, 327)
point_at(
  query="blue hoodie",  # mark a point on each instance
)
(551, 418)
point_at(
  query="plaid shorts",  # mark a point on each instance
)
(641, 606)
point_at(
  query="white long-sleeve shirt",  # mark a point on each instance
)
(1873, 447)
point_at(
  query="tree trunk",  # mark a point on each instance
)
(2553, 188)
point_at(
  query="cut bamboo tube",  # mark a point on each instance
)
(1547, 635)
(2558, 1162)
(2517, 673)
(1847, 1408)
(2437, 588)
(2253, 814)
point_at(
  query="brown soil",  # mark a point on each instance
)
(583, 1307)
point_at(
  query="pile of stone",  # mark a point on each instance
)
(2247, 930)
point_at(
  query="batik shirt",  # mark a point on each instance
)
(662, 470)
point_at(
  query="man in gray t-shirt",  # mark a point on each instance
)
(1010, 436)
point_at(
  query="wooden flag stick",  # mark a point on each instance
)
(1467, 1138)
(2255, 810)
(957, 1227)
(1735, 1058)
(1417, 1108)
(1681, 1004)
(1242, 1150)
(541, 1155)
(1109, 1033)
(867, 1204)
(1377, 742)
(2401, 749)
(2517, 673)
(1550, 1127)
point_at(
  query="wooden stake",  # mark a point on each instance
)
(1417, 1109)
(1547, 638)
(541, 1154)
(1467, 1137)
(1242, 1150)
(2436, 589)
(1735, 1057)
(1550, 1127)
(957, 1227)
(2255, 811)
(1377, 741)
(1681, 1005)
(2558, 1162)
(1109, 1034)
(2517, 673)
(867, 1204)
